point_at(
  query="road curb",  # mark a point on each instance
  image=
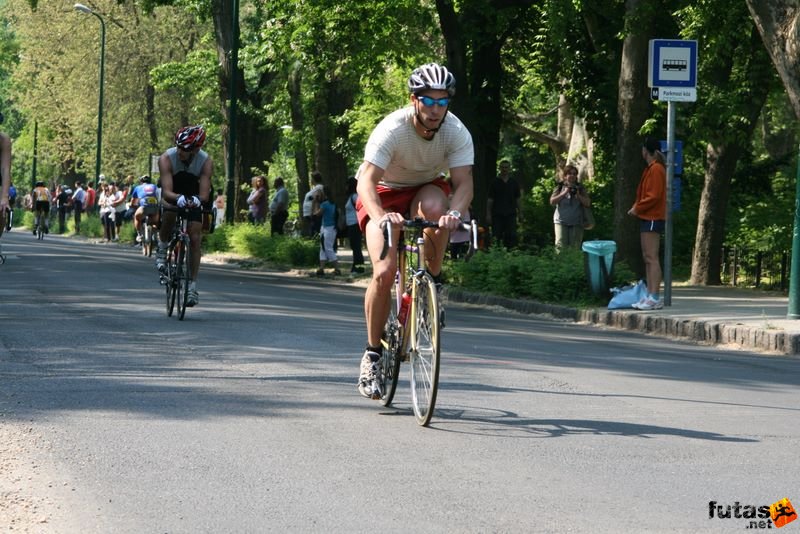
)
(698, 331)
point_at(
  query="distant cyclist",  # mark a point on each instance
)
(144, 200)
(400, 177)
(185, 182)
(41, 206)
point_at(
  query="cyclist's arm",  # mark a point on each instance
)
(461, 178)
(165, 169)
(205, 180)
(367, 188)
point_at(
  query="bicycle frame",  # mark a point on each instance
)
(417, 338)
(178, 263)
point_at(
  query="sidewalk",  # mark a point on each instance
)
(714, 315)
(710, 315)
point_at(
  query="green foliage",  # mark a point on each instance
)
(545, 277)
(254, 241)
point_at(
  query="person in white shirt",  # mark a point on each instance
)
(78, 198)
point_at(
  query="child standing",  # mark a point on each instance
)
(327, 234)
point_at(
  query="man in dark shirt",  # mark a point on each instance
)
(63, 197)
(503, 206)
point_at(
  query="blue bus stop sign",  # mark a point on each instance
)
(677, 162)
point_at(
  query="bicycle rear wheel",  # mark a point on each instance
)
(424, 348)
(9, 219)
(146, 243)
(182, 279)
(392, 343)
(172, 277)
(40, 231)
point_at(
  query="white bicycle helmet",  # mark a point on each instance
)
(432, 76)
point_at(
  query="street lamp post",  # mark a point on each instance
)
(83, 9)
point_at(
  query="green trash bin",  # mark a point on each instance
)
(599, 261)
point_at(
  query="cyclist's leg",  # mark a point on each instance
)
(431, 203)
(377, 297)
(195, 237)
(167, 224)
(138, 215)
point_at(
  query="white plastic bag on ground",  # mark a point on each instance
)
(627, 296)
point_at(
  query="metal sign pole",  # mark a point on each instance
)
(668, 225)
(794, 271)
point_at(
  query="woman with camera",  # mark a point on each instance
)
(569, 198)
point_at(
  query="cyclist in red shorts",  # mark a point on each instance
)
(401, 177)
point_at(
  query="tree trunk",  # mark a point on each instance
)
(777, 22)
(150, 117)
(633, 108)
(707, 258)
(722, 155)
(333, 99)
(478, 86)
(294, 87)
(255, 142)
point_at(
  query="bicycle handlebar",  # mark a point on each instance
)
(187, 209)
(471, 227)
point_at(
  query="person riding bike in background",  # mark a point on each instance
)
(185, 183)
(144, 200)
(401, 177)
(41, 206)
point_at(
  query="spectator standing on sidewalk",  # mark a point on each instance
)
(257, 201)
(354, 234)
(120, 196)
(503, 206)
(78, 199)
(106, 204)
(327, 236)
(311, 202)
(91, 198)
(569, 198)
(651, 209)
(62, 204)
(278, 207)
(219, 203)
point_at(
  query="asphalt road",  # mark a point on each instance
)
(244, 417)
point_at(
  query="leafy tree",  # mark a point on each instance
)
(735, 80)
(56, 85)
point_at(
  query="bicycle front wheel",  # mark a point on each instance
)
(184, 273)
(424, 348)
(172, 277)
(391, 342)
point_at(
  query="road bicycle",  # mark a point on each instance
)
(412, 330)
(149, 232)
(40, 227)
(178, 267)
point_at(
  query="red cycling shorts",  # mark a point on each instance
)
(397, 199)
